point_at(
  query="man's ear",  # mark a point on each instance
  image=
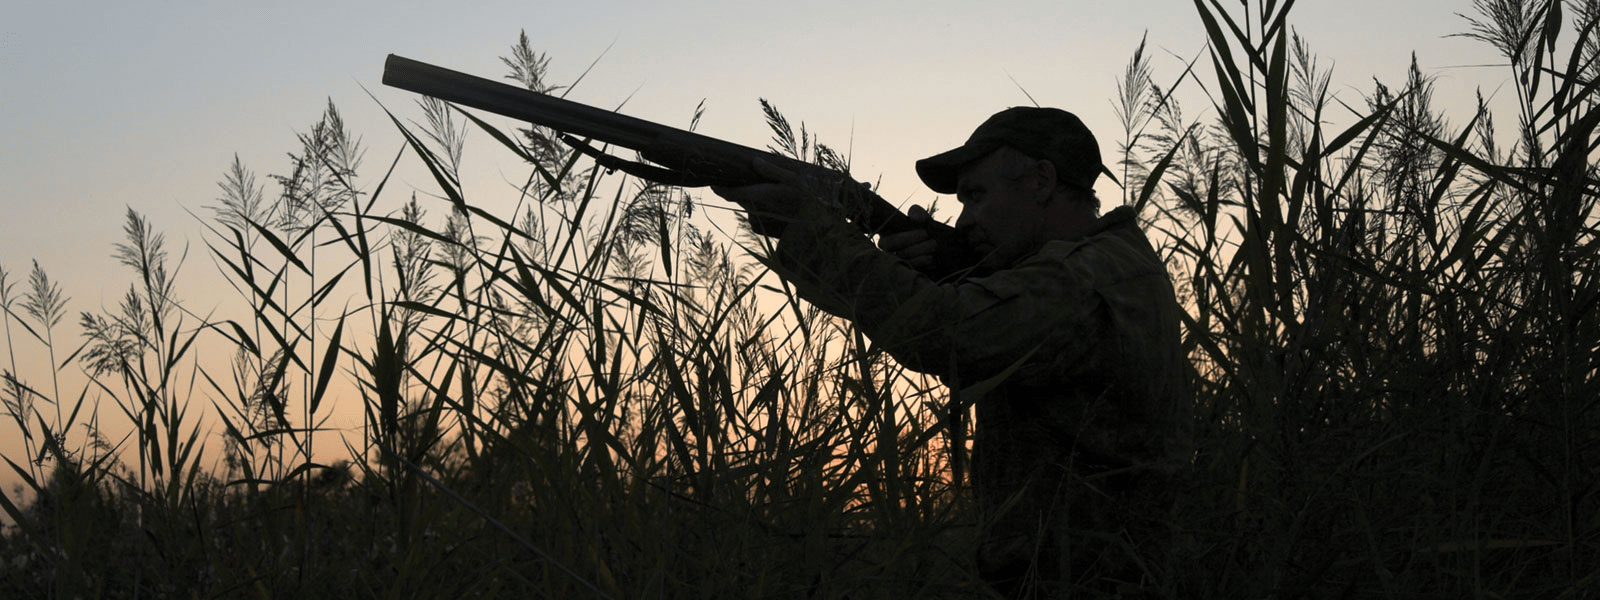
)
(1047, 177)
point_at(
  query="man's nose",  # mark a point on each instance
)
(965, 221)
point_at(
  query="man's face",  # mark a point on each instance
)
(1002, 209)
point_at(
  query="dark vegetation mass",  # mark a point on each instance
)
(1392, 325)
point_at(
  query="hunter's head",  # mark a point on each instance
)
(1025, 177)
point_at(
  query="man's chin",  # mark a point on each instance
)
(990, 258)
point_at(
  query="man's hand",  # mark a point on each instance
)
(789, 198)
(914, 246)
(764, 204)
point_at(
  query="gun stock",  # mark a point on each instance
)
(680, 157)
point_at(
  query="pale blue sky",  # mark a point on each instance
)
(109, 104)
(112, 104)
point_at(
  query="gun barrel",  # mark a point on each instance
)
(518, 103)
(709, 157)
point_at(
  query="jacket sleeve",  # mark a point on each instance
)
(1040, 315)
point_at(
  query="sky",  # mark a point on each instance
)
(110, 105)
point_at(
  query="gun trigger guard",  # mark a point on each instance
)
(641, 170)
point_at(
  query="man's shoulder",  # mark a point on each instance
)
(1107, 258)
(1114, 239)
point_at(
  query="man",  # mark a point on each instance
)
(1066, 345)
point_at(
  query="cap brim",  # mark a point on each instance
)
(940, 171)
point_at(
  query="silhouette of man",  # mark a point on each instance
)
(1067, 346)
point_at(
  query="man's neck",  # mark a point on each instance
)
(1072, 223)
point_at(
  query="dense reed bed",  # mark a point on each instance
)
(1392, 326)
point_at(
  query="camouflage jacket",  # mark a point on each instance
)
(1071, 357)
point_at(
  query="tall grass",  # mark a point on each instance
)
(1391, 324)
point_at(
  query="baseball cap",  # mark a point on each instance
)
(1044, 133)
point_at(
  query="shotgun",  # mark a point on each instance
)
(676, 157)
